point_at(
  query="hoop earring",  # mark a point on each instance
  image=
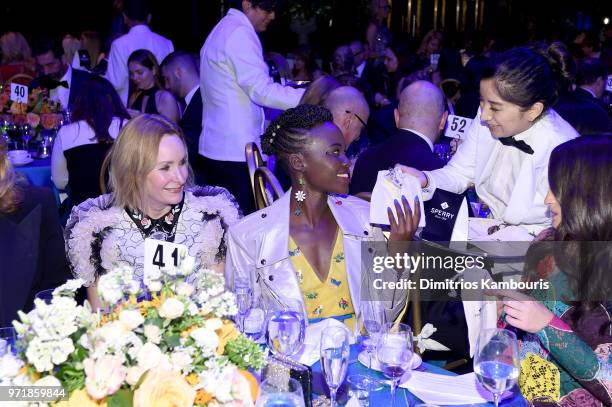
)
(300, 196)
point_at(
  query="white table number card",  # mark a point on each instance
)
(19, 93)
(456, 126)
(160, 255)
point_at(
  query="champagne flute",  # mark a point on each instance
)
(273, 394)
(496, 362)
(394, 352)
(334, 358)
(285, 327)
(371, 320)
(244, 299)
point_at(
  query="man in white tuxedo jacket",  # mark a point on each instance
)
(235, 85)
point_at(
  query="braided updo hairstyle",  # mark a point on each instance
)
(289, 133)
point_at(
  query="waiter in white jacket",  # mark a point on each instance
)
(235, 85)
(507, 149)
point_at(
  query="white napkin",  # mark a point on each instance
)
(445, 390)
(391, 185)
(461, 227)
(353, 402)
(311, 352)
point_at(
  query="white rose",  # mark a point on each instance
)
(193, 308)
(213, 324)
(171, 309)
(184, 289)
(155, 285)
(205, 338)
(152, 333)
(149, 356)
(131, 318)
(48, 381)
(181, 361)
(134, 374)
(9, 365)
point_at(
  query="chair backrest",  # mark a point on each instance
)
(263, 179)
(254, 161)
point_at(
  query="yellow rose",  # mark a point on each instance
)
(226, 333)
(80, 398)
(164, 388)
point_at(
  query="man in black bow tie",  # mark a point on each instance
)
(56, 74)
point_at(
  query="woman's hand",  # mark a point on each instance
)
(415, 173)
(524, 312)
(405, 226)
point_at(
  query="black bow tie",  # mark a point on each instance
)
(63, 84)
(47, 82)
(520, 144)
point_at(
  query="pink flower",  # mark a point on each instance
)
(104, 375)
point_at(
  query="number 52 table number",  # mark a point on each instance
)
(456, 126)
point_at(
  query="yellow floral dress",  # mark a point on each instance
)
(329, 298)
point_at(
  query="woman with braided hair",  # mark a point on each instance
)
(307, 245)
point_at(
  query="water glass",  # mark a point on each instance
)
(334, 358)
(360, 387)
(274, 394)
(371, 320)
(285, 327)
(26, 136)
(254, 322)
(45, 295)
(7, 340)
(244, 299)
(394, 352)
(496, 362)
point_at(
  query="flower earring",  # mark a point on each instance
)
(300, 196)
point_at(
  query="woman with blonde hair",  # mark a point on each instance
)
(150, 198)
(31, 243)
(16, 58)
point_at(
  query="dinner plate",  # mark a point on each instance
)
(21, 163)
(363, 359)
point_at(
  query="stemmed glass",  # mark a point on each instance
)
(394, 352)
(244, 299)
(272, 394)
(7, 340)
(334, 358)
(496, 362)
(371, 320)
(26, 136)
(285, 327)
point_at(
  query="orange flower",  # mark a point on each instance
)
(19, 119)
(252, 383)
(192, 379)
(226, 333)
(202, 397)
(33, 119)
(187, 331)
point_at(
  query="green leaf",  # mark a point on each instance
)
(123, 398)
(173, 341)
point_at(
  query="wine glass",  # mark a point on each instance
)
(272, 393)
(496, 362)
(244, 299)
(334, 358)
(285, 327)
(394, 352)
(371, 320)
(254, 321)
(7, 340)
(26, 136)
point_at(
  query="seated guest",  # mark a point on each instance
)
(62, 81)
(149, 95)
(583, 108)
(350, 110)
(150, 198)
(81, 146)
(506, 150)
(182, 79)
(16, 59)
(318, 90)
(419, 118)
(31, 242)
(90, 56)
(567, 357)
(307, 245)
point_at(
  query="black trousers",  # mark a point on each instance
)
(232, 175)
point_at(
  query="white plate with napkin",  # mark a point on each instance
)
(311, 351)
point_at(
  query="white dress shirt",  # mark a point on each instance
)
(139, 37)
(421, 135)
(62, 94)
(359, 68)
(70, 136)
(235, 84)
(189, 96)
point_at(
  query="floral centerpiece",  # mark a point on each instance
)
(172, 341)
(40, 111)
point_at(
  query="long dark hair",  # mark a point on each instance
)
(97, 103)
(146, 58)
(579, 177)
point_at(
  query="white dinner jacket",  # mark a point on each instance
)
(258, 250)
(473, 163)
(235, 84)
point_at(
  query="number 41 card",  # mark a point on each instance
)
(160, 255)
